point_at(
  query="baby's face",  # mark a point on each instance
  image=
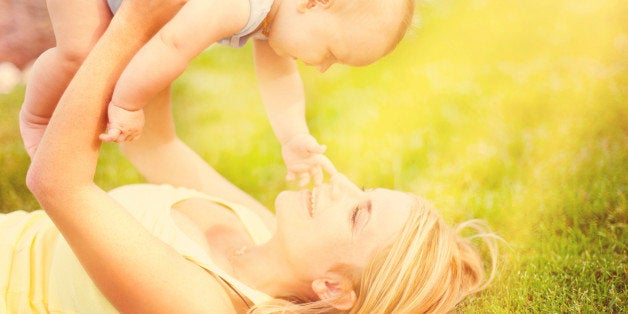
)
(320, 36)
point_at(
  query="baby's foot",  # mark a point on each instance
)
(124, 125)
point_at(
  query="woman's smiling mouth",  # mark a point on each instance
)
(311, 201)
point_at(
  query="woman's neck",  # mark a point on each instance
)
(264, 268)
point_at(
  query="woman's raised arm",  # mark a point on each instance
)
(134, 270)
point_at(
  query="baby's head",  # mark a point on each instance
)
(352, 32)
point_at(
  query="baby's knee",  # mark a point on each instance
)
(71, 58)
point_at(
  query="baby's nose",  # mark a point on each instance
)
(342, 186)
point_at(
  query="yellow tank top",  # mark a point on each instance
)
(40, 274)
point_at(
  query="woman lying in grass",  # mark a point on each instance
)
(200, 244)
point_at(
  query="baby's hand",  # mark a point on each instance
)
(304, 157)
(124, 125)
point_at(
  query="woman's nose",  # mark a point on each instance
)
(341, 186)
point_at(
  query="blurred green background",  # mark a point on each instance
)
(515, 112)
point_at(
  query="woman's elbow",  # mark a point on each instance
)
(36, 182)
(44, 183)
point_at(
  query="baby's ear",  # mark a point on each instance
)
(305, 5)
(336, 290)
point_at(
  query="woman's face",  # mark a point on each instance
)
(338, 223)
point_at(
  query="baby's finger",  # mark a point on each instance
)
(304, 180)
(302, 166)
(318, 149)
(134, 137)
(120, 138)
(104, 137)
(290, 176)
(125, 138)
(111, 135)
(326, 164)
(131, 136)
(317, 175)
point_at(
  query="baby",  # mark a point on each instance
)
(317, 32)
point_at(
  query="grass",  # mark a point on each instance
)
(515, 112)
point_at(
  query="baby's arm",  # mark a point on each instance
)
(197, 25)
(282, 93)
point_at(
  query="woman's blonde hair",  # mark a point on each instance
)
(428, 268)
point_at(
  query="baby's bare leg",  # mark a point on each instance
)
(77, 25)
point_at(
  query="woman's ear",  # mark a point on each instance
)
(335, 289)
(304, 5)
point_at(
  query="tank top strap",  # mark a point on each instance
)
(255, 296)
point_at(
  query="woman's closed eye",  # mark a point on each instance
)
(360, 215)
